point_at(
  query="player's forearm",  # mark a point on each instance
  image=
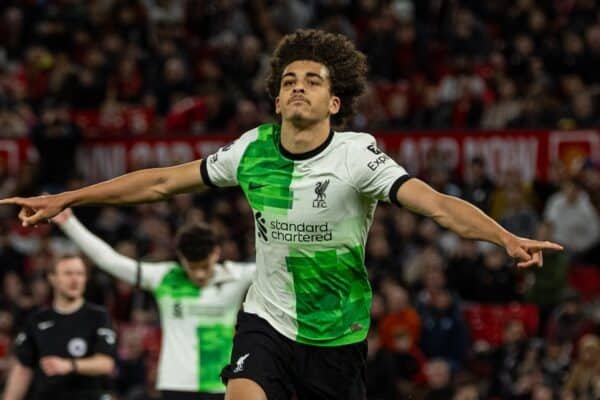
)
(98, 364)
(470, 222)
(148, 185)
(99, 251)
(18, 382)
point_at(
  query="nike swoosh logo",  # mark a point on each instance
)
(45, 325)
(255, 186)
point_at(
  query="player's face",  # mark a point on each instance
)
(201, 271)
(69, 278)
(305, 93)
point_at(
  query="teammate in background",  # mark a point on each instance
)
(198, 301)
(313, 192)
(66, 350)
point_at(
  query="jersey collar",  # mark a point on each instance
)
(308, 154)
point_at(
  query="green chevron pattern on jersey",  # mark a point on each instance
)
(264, 175)
(333, 295)
(215, 353)
(175, 284)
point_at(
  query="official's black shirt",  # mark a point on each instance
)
(80, 334)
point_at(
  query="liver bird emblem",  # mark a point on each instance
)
(320, 189)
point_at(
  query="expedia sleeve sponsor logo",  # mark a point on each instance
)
(374, 164)
(215, 157)
(373, 149)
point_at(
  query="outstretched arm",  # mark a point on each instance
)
(469, 222)
(106, 257)
(147, 185)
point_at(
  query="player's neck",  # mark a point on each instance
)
(64, 305)
(302, 139)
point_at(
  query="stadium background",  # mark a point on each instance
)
(496, 102)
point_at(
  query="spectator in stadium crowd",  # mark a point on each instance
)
(573, 218)
(494, 281)
(584, 375)
(401, 317)
(505, 109)
(549, 284)
(444, 332)
(381, 370)
(56, 139)
(518, 216)
(569, 321)
(478, 184)
(439, 382)
(8, 181)
(513, 363)
(65, 351)
(555, 362)
(11, 259)
(467, 391)
(12, 123)
(511, 179)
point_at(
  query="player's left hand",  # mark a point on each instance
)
(52, 365)
(529, 252)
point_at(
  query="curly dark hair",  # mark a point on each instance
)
(347, 66)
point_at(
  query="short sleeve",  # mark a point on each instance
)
(106, 337)
(25, 348)
(372, 172)
(220, 168)
(152, 274)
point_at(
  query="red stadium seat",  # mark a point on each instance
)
(586, 280)
(487, 321)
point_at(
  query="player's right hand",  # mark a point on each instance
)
(36, 210)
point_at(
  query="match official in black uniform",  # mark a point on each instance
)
(67, 350)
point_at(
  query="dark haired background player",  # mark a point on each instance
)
(198, 300)
(307, 311)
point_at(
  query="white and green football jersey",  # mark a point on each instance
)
(312, 215)
(198, 324)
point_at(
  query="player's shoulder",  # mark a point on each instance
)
(354, 137)
(41, 314)
(354, 140)
(239, 270)
(230, 271)
(249, 135)
(94, 309)
(261, 131)
(353, 146)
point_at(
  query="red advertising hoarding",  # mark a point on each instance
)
(532, 152)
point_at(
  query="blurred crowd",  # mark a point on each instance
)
(451, 319)
(198, 66)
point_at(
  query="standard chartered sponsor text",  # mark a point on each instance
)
(300, 232)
